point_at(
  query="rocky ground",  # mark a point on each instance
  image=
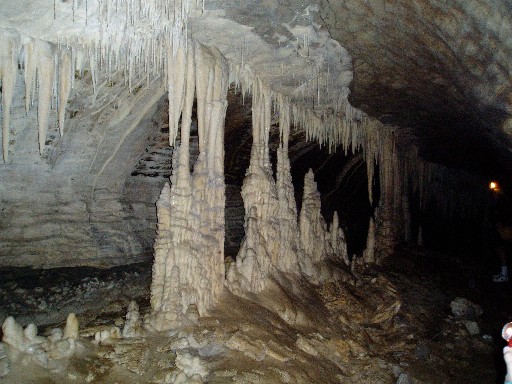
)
(406, 322)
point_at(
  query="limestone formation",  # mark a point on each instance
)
(9, 47)
(259, 251)
(4, 361)
(13, 334)
(146, 47)
(274, 239)
(133, 325)
(338, 240)
(189, 249)
(313, 228)
(318, 242)
(40, 350)
(369, 251)
(289, 246)
(85, 88)
(71, 328)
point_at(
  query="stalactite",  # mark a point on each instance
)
(186, 120)
(30, 67)
(9, 48)
(176, 68)
(45, 73)
(64, 85)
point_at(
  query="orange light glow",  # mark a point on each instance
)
(494, 186)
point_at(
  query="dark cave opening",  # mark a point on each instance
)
(342, 182)
(341, 178)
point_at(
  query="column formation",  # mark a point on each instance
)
(260, 249)
(188, 272)
(289, 245)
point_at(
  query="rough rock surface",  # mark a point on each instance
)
(441, 68)
(375, 327)
(77, 203)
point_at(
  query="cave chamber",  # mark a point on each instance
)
(252, 192)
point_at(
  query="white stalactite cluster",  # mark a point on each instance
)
(152, 34)
(188, 272)
(47, 68)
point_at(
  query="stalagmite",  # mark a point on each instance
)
(133, 325)
(289, 246)
(188, 272)
(338, 240)
(369, 251)
(13, 334)
(249, 270)
(71, 328)
(312, 227)
(319, 244)
(9, 48)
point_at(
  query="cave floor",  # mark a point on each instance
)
(390, 324)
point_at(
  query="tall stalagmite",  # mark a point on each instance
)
(319, 244)
(188, 272)
(289, 245)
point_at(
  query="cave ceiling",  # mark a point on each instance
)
(440, 68)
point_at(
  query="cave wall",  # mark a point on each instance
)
(77, 203)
